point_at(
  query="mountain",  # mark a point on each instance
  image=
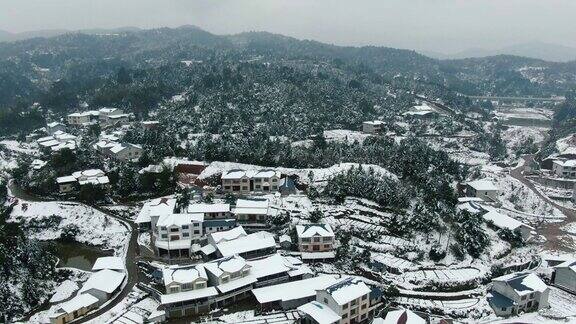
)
(537, 50)
(6, 36)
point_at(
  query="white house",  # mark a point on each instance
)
(564, 168)
(103, 284)
(112, 116)
(82, 118)
(315, 241)
(126, 152)
(242, 181)
(292, 294)
(346, 301)
(250, 246)
(483, 189)
(564, 276)
(175, 233)
(372, 127)
(95, 177)
(210, 211)
(74, 308)
(503, 221)
(110, 262)
(400, 316)
(518, 292)
(252, 211)
(54, 127)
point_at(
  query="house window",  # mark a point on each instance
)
(196, 224)
(199, 285)
(196, 232)
(532, 296)
(523, 297)
(173, 230)
(326, 246)
(163, 228)
(185, 234)
(225, 279)
(185, 227)
(345, 306)
(344, 316)
(174, 290)
(364, 306)
(316, 239)
(364, 297)
(504, 309)
(326, 301)
(164, 236)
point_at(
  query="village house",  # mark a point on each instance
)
(74, 308)
(237, 242)
(54, 127)
(70, 183)
(184, 278)
(502, 221)
(252, 211)
(373, 127)
(564, 168)
(151, 212)
(346, 301)
(482, 189)
(518, 292)
(175, 234)
(210, 211)
(112, 116)
(57, 141)
(217, 225)
(564, 276)
(400, 316)
(82, 118)
(244, 182)
(315, 241)
(126, 152)
(103, 284)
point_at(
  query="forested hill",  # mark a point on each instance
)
(138, 69)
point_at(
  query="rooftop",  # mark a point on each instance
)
(109, 262)
(310, 230)
(321, 313)
(293, 290)
(253, 242)
(347, 290)
(104, 280)
(523, 283)
(482, 185)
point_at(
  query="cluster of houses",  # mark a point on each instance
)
(276, 282)
(106, 280)
(57, 141)
(104, 117)
(119, 151)
(71, 183)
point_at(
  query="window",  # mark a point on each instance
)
(364, 306)
(196, 224)
(327, 239)
(174, 290)
(345, 306)
(187, 286)
(316, 239)
(196, 232)
(174, 229)
(185, 227)
(164, 236)
(364, 297)
(532, 296)
(225, 279)
(200, 285)
(352, 312)
(326, 301)
(504, 309)
(523, 297)
(344, 316)
(163, 228)
(326, 246)
(186, 234)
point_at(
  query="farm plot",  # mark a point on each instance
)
(442, 276)
(440, 304)
(390, 261)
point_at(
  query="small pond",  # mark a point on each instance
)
(77, 255)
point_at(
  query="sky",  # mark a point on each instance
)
(445, 26)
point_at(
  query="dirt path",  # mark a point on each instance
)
(556, 237)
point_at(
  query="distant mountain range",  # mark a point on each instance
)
(537, 50)
(10, 37)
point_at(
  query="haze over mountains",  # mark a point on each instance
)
(538, 50)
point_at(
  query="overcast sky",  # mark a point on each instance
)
(439, 25)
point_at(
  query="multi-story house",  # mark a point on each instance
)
(252, 211)
(243, 182)
(564, 275)
(210, 211)
(175, 234)
(564, 168)
(82, 118)
(94, 177)
(346, 301)
(237, 242)
(315, 238)
(184, 278)
(518, 292)
(231, 276)
(54, 127)
(109, 116)
(372, 127)
(126, 151)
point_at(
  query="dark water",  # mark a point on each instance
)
(77, 255)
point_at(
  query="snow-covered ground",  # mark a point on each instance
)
(344, 135)
(134, 308)
(95, 227)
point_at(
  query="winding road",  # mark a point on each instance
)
(552, 231)
(132, 252)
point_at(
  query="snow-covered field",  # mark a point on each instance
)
(95, 227)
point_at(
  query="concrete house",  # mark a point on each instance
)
(103, 285)
(315, 238)
(210, 211)
(126, 152)
(184, 278)
(372, 127)
(82, 118)
(400, 316)
(244, 182)
(564, 168)
(73, 309)
(252, 211)
(346, 301)
(482, 189)
(564, 276)
(111, 116)
(231, 276)
(518, 292)
(78, 179)
(503, 221)
(54, 127)
(175, 234)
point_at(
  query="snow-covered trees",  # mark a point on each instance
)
(469, 234)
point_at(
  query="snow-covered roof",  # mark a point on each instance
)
(208, 208)
(107, 110)
(310, 230)
(236, 283)
(54, 124)
(254, 207)
(270, 265)
(321, 313)
(76, 303)
(567, 163)
(293, 290)
(66, 179)
(155, 208)
(285, 238)
(318, 255)
(150, 122)
(173, 244)
(228, 235)
(238, 174)
(122, 146)
(188, 295)
(38, 164)
(234, 174)
(109, 262)
(523, 283)
(179, 219)
(570, 264)
(347, 290)
(227, 264)
(104, 280)
(253, 242)
(402, 316)
(84, 113)
(503, 221)
(183, 274)
(482, 185)
(374, 122)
